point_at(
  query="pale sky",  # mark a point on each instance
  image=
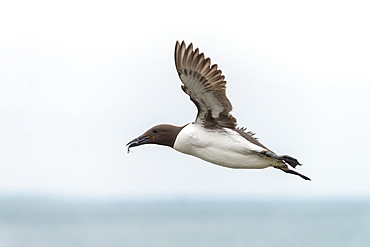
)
(79, 79)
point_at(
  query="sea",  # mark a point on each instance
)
(63, 222)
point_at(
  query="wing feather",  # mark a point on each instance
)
(205, 85)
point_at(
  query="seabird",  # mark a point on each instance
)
(214, 135)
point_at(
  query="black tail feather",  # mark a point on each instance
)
(287, 170)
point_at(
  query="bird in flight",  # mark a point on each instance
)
(214, 135)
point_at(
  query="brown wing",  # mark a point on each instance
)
(205, 85)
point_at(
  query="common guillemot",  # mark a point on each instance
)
(214, 135)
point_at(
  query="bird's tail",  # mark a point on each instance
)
(285, 168)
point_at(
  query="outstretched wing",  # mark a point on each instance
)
(205, 85)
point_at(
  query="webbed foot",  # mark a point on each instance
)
(288, 159)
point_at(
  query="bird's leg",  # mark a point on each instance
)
(288, 159)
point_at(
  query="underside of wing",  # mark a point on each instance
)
(205, 85)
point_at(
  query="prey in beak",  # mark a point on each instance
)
(137, 142)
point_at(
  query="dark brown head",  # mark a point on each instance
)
(163, 134)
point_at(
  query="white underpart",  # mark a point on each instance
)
(221, 147)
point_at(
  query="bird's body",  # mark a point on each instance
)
(221, 146)
(214, 135)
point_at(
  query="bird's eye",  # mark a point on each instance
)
(155, 130)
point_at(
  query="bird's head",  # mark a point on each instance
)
(163, 134)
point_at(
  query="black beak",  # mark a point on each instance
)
(137, 142)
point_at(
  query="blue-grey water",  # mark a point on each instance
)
(43, 222)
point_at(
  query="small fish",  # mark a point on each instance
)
(137, 142)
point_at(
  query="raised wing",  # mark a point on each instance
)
(205, 85)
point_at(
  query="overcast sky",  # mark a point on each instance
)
(79, 79)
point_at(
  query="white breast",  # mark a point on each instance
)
(223, 147)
